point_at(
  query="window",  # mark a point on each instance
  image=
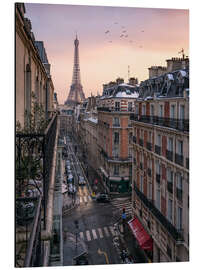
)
(141, 134)
(141, 183)
(179, 218)
(116, 169)
(136, 109)
(28, 88)
(130, 106)
(161, 111)
(115, 151)
(158, 199)
(170, 144)
(158, 167)
(130, 152)
(179, 181)
(116, 122)
(116, 138)
(117, 106)
(180, 147)
(150, 136)
(172, 111)
(182, 111)
(149, 190)
(159, 140)
(152, 110)
(144, 109)
(169, 175)
(170, 209)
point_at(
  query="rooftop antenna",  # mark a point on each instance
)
(182, 51)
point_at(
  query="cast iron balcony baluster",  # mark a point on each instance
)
(179, 159)
(179, 194)
(141, 166)
(158, 177)
(149, 172)
(170, 187)
(149, 146)
(157, 149)
(141, 142)
(187, 163)
(169, 155)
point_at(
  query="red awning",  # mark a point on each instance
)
(143, 238)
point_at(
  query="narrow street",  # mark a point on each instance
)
(95, 230)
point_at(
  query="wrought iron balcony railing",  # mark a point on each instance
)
(179, 159)
(34, 158)
(169, 155)
(159, 216)
(179, 124)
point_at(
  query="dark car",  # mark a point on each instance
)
(81, 181)
(103, 197)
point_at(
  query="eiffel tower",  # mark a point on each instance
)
(76, 94)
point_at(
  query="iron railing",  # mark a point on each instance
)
(158, 149)
(179, 124)
(149, 146)
(34, 157)
(159, 216)
(169, 155)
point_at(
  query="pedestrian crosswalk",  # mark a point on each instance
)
(123, 203)
(97, 233)
(85, 199)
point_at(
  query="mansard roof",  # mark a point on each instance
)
(122, 90)
(171, 84)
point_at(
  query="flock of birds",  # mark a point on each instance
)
(123, 34)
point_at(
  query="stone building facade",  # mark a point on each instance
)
(32, 69)
(160, 193)
(115, 135)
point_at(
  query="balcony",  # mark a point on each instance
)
(158, 177)
(179, 194)
(34, 158)
(149, 172)
(179, 124)
(116, 124)
(159, 216)
(169, 155)
(157, 149)
(179, 159)
(114, 109)
(170, 187)
(149, 146)
(141, 142)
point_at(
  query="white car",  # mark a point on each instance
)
(81, 181)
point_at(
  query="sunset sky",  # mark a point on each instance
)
(154, 35)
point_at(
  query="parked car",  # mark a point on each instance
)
(81, 181)
(102, 197)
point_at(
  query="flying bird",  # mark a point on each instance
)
(123, 26)
(142, 31)
(115, 23)
(124, 31)
(107, 32)
(110, 41)
(121, 35)
(126, 35)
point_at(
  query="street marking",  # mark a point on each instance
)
(80, 199)
(100, 233)
(81, 235)
(85, 199)
(94, 234)
(106, 231)
(112, 230)
(88, 236)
